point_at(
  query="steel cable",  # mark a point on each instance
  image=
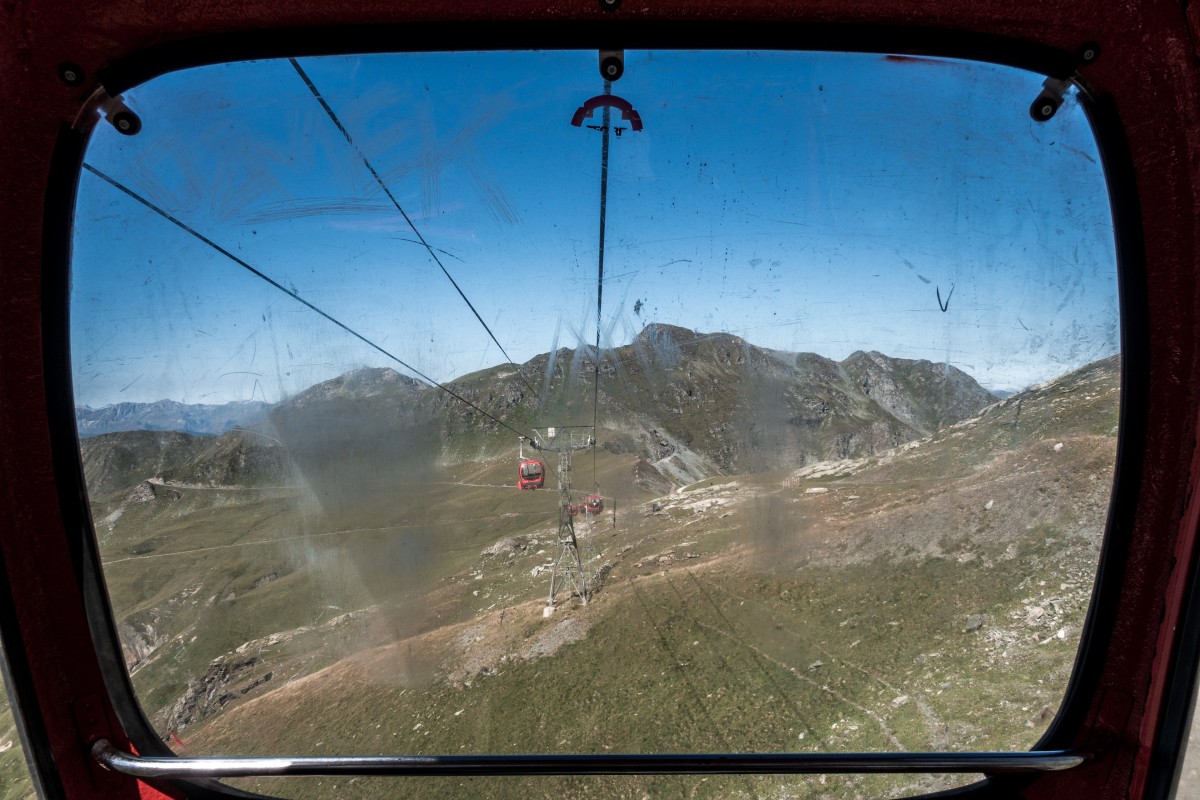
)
(290, 293)
(432, 253)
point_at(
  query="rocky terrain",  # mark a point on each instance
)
(795, 554)
(692, 404)
(687, 405)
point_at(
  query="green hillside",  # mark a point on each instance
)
(359, 574)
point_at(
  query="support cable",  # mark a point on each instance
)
(604, 126)
(188, 229)
(432, 253)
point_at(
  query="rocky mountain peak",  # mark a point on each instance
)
(658, 331)
(358, 384)
(689, 404)
(920, 393)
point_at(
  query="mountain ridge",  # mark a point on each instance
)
(689, 405)
(169, 415)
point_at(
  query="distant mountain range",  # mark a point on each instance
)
(688, 405)
(697, 404)
(168, 415)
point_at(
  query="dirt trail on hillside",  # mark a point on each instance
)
(890, 512)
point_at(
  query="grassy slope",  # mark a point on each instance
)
(716, 606)
(15, 783)
(703, 660)
(721, 601)
(197, 576)
(14, 773)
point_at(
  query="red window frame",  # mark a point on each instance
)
(1130, 697)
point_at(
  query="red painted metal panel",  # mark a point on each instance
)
(1148, 69)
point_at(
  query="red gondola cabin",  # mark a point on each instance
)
(595, 504)
(532, 475)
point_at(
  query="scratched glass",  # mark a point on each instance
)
(757, 401)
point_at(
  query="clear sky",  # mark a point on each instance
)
(805, 201)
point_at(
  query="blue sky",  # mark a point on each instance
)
(805, 201)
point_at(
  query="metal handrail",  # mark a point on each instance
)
(1034, 761)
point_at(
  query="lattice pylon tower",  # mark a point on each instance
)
(567, 574)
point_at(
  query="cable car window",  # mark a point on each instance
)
(813, 356)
